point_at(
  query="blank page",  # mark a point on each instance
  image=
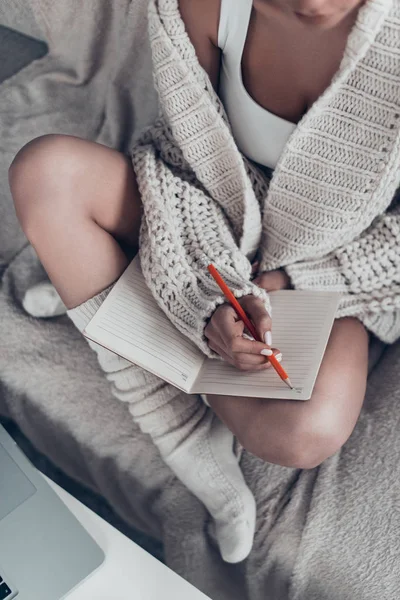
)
(131, 324)
(301, 324)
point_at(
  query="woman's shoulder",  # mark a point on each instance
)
(201, 18)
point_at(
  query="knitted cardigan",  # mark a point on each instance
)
(330, 214)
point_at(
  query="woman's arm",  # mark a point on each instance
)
(201, 18)
(191, 211)
(366, 271)
(368, 264)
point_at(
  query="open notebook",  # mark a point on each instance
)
(131, 324)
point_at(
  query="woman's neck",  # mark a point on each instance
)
(288, 13)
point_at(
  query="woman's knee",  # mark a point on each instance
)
(39, 172)
(302, 442)
(318, 436)
(61, 177)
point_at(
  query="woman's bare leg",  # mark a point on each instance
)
(78, 204)
(304, 434)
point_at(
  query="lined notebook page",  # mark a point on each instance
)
(301, 324)
(131, 324)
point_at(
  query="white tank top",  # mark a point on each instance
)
(259, 134)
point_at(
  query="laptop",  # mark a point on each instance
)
(44, 551)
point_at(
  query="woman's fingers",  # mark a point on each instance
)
(246, 362)
(223, 326)
(225, 335)
(256, 311)
(228, 334)
(241, 345)
(249, 362)
(239, 349)
(242, 362)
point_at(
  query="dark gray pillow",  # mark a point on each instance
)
(17, 51)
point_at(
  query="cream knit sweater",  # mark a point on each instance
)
(329, 215)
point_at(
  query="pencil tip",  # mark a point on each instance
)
(289, 383)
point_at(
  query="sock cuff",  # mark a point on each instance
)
(204, 398)
(82, 314)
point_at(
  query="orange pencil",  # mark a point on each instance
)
(235, 304)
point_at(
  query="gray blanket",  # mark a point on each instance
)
(331, 533)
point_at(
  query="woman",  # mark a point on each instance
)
(309, 89)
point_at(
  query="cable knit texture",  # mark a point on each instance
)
(328, 215)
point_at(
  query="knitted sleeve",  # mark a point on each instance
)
(366, 272)
(198, 203)
(183, 230)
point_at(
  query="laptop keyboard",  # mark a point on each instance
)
(5, 591)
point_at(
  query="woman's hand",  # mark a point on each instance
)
(226, 332)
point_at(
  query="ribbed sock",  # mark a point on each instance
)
(195, 444)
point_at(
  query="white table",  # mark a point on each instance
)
(128, 572)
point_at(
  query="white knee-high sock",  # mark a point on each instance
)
(195, 444)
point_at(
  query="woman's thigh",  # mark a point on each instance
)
(79, 204)
(303, 434)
